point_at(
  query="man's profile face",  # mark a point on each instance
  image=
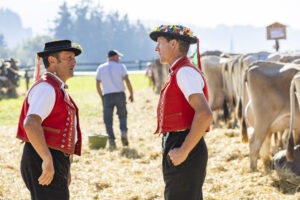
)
(65, 64)
(164, 49)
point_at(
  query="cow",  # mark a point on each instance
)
(161, 72)
(294, 106)
(212, 70)
(243, 64)
(296, 61)
(288, 58)
(288, 171)
(268, 110)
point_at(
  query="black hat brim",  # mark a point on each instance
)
(47, 52)
(155, 34)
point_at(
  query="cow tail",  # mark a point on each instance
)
(290, 155)
(244, 131)
(225, 110)
(244, 125)
(240, 109)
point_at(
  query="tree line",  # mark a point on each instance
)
(96, 32)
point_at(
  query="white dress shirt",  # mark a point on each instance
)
(42, 98)
(189, 80)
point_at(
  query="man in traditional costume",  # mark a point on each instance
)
(49, 124)
(183, 115)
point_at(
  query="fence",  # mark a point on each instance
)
(92, 66)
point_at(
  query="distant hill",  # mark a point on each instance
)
(12, 29)
(238, 38)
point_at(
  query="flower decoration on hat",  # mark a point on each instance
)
(177, 32)
(76, 46)
(174, 30)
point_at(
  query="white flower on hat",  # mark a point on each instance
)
(77, 46)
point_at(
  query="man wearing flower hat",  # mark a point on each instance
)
(49, 124)
(183, 115)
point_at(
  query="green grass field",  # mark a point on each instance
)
(81, 88)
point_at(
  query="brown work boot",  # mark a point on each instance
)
(112, 144)
(125, 142)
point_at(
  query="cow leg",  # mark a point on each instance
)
(265, 152)
(258, 137)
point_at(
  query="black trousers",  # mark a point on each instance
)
(31, 170)
(185, 181)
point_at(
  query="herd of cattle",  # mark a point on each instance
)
(258, 90)
(9, 78)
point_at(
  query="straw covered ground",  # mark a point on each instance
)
(134, 173)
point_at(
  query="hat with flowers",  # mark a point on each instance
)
(176, 31)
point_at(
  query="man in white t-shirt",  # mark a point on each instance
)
(183, 115)
(111, 75)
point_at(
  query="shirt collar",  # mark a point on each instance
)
(175, 63)
(63, 85)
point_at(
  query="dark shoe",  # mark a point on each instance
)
(112, 144)
(125, 141)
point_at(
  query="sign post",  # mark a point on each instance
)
(276, 31)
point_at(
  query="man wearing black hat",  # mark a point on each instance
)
(183, 115)
(49, 124)
(112, 75)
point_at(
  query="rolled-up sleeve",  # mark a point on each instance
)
(41, 100)
(189, 81)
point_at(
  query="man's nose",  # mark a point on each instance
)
(74, 62)
(156, 48)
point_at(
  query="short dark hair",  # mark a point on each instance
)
(45, 58)
(184, 46)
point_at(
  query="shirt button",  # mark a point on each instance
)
(64, 135)
(67, 124)
(68, 107)
(69, 112)
(68, 119)
(65, 129)
(70, 139)
(62, 146)
(63, 141)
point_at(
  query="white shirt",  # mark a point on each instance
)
(42, 96)
(189, 80)
(111, 74)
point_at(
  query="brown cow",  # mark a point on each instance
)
(268, 107)
(161, 72)
(294, 106)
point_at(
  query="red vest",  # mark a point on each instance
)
(174, 111)
(59, 127)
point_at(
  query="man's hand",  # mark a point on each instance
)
(131, 98)
(177, 156)
(48, 172)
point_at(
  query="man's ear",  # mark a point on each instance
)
(173, 42)
(51, 59)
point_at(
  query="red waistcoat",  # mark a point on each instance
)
(174, 112)
(59, 126)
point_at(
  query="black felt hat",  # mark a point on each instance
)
(60, 45)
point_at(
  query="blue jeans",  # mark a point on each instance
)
(109, 102)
